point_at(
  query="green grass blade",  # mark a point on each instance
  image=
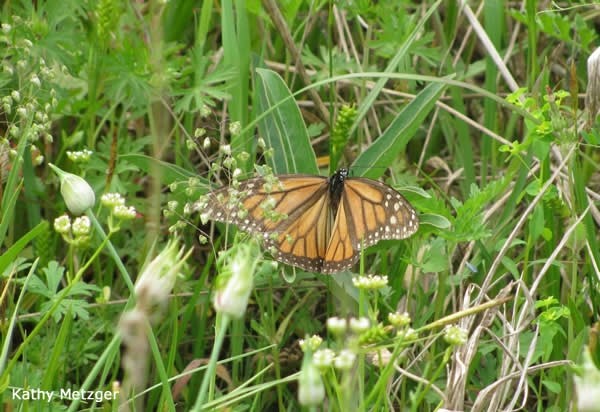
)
(402, 53)
(394, 139)
(13, 252)
(13, 319)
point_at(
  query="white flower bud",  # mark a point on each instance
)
(359, 325)
(344, 360)
(236, 279)
(62, 224)
(311, 390)
(336, 325)
(35, 80)
(76, 192)
(156, 282)
(592, 93)
(587, 384)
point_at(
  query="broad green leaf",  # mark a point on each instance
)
(282, 126)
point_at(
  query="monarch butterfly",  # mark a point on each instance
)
(313, 222)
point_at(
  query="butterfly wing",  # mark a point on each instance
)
(292, 214)
(369, 211)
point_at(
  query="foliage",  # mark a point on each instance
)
(488, 307)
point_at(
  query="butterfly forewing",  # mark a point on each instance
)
(303, 241)
(291, 214)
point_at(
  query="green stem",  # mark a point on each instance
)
(113, 253)
(212, 363)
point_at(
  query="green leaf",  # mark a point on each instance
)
(282, 127)
(384, 151)
(13, 252)
(434, 220)
(552, 386)
(436, 259)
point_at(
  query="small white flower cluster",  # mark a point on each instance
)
(116, 203)
(235, 128)
(370, 282)
(77, 233)
(455, 335)
(34, 116)
(312, 343)
(325, 358)
(399, 320)
(79, 156)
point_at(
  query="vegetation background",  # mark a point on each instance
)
(476, 109)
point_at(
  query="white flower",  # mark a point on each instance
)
(344, 360)
(62, 224)
(455, 335)
(112, 199)
(235, 128)
(76, 192)
(82, 226)
(226, 149)
(323, 358)
(124, 212)
(398, 319)
(35, 80)
(311, 343)
(359, 325)
(336, 325)
(370, 281)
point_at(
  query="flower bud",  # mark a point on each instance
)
(234, 283)
(344, 360)
(156, 281)
(336, 325)
(311, 390)
(76, 192)
(587, 384)
(312, 343)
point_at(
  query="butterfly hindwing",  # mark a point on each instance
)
(368, 212)
(379, 212)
